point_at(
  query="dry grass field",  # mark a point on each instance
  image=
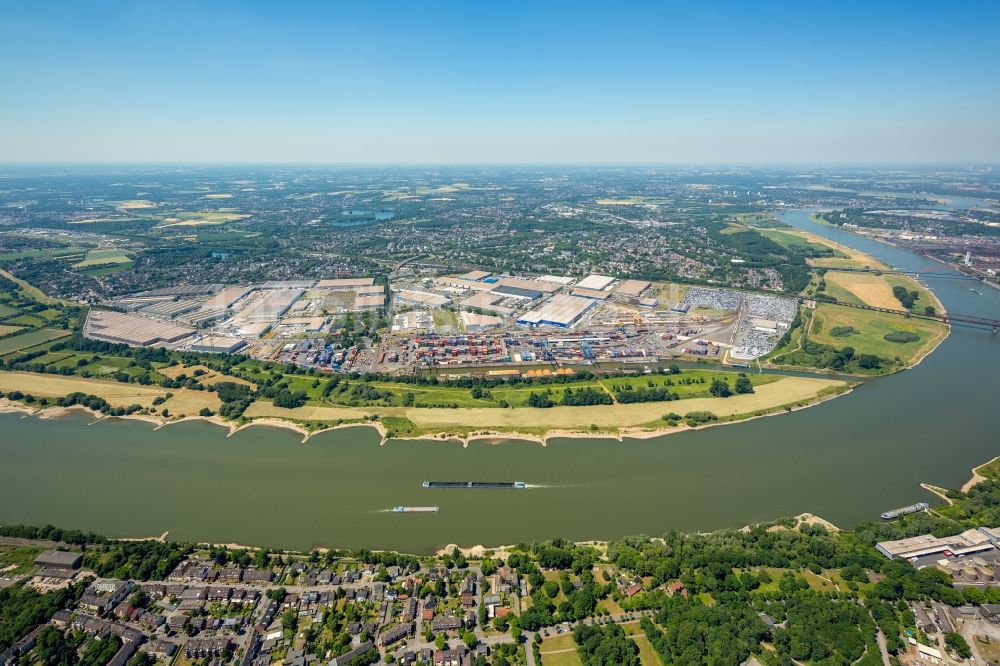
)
(134, 204)
(773, 395)
(869, 288)
(785, 391)
(184, 401)
(203, 218)
(210, 378)
(261, 408)
(853, 258)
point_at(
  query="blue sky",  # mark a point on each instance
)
(426, 82)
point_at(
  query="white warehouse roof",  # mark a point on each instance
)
(595, 282)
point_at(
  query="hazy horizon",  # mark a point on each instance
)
(898, 83)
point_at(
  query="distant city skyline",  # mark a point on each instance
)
(557, 83)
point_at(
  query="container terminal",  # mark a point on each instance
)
(475, 484)
(905, 511)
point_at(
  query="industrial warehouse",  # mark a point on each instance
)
(561, 310)
(474, 319)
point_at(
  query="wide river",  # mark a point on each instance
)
(847, 460)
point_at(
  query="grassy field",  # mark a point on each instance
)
(774, 395)
(757, 219)
(15, 560)
(791, 239)
(925, 296)
(611, 606)
(990, 470)
(445, 322)
(133, 204)
(876, 290)
(692, 390)
(870, 329)
(104, 256)
(5, 329)
(647, 655)
(513, 395)
(209, 378)
(845, 257)
(30, 339)
(184, 401)
(107, 270)
(633, 201)
(559, 650)
(828, 580)
(861, 288)
(48, 253)
(200, 218)
(668, 293)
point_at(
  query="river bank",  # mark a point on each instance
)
(634, 421)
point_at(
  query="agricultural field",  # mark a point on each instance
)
(30, 339)
(106, 270)
(133, 204)
(633, 201)
(102, 220)
(44, 253)
(6, 329)
(861, 288)
(200, 218)
(215, 236)
(104, 256)
(876, 290)
(865, 331)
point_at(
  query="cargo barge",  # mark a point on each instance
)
(905, 511)
(415, 509)
(475, 484)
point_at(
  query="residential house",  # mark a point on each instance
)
(395, 634)
(346, 658)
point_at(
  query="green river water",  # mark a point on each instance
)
(847, 460)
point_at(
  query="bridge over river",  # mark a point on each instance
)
(947, 317)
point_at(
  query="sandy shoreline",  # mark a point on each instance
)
(485, 434)
(976, 476)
